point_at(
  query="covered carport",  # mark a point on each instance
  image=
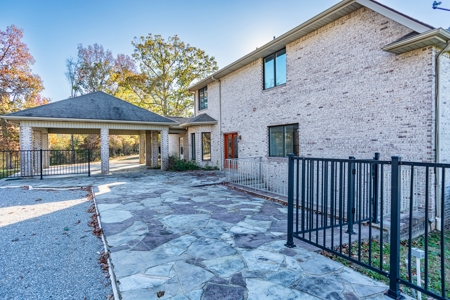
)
(95, 113)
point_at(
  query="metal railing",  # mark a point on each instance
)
(30, 163)
(351, 209)
(253, 173)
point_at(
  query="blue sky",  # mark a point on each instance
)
(226, 30)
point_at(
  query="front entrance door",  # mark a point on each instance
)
(231, 147)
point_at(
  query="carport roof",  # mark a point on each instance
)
(97, 107)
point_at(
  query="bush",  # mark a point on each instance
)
(176, 164)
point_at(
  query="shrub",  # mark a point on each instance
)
(176, 164)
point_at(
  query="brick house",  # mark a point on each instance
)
(356, 79)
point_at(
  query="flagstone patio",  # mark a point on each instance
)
(168, 234)
(183, 235)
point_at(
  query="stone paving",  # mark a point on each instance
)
(175, 233)
(168, 234)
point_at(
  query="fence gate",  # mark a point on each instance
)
(30, 163)
(354, 210)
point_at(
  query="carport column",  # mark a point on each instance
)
(104, 149)
(26, 156)
(164, 149)
(46, 153)
(155, 148)
(142, 147)
(148, 148)
(37, 145)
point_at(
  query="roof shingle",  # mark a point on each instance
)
(93, 106)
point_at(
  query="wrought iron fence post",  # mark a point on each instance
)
(40, 163)
(260, 170)
(375, 188)
(394, 271)
(351, 196)
(89, 162)
(290, 223)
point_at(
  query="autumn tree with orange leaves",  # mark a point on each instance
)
(19, 87)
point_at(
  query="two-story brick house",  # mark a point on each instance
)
(356, 79)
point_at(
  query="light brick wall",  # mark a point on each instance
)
(445, 127)
(164, 149)
(26, 143)
(174, 145)
(104, 150)
(349, 97)
(215, 144)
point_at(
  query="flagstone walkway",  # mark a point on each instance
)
(178, 235)
(167, 234)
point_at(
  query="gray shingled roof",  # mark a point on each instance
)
(179, 120)
(93, 106)
(202, 118)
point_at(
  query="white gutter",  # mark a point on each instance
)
(438, 136)
(439, 34)
(221, 147)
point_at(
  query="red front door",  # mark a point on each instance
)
(231, 147)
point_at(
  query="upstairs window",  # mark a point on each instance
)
(275, 69)
(203, 98)
(283, 140)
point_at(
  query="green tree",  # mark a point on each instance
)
(19, 87)
(167, 68)
(95, 69)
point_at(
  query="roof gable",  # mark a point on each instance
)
(97, 106)
(335, 12)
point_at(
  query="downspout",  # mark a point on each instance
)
(437, 135)
(220, 122)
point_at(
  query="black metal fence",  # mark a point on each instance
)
(30, 163)
(369, 212)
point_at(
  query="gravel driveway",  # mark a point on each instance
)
(47, 250)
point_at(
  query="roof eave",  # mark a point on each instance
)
(198, 123)
(437, 37)
(333, 13)
(43, 119)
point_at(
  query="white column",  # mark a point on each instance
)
(37, 145)
(155, 148)
(104, 152)
(26, 156)
(164, 149)
(148, 148)
(45, 147)
(142, 147)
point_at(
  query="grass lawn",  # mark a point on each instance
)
(434, 261)
(7, 172)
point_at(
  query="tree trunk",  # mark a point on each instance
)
(8, 161)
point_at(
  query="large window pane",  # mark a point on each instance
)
(206, 146)
(276, 135)
(281, 67)
(193, 146)
(203, 98)
(269, 74)
(289, 140)
(283, 140)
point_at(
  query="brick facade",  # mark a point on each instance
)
(104, 149)
(445, 125)
(349, 97)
